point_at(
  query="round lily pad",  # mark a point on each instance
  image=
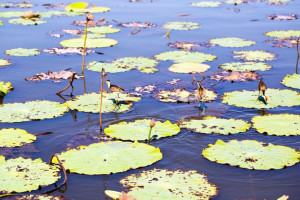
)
(109, 157)
(31, 110)
(5, 88)
(165, 184)
(15, 137)
(188, 67)
(90, 43)
(185, 56)
(280, 124)
(206, 4)
(258, 55)
(22, 52)
(103, 30)
(21, 175)
(211, 124)
(283, 34)
(276, 98)
(108, 67)
(246, 66)
(82, 7)
(1, 23)
(292, 81)
(111, 102)
(139, 129)
(4, 62)
(181, 25)
(11, 14)
(21, 21)
(251, 154)
(232, 42)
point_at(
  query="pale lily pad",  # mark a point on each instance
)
(139, 129)
(5, 88)
(22, 175)
(90, 43)
(109, 157)
(188, 67)
(108, 67)
(4, 62)
(292, 81)
(181, 25)
(182, 95)
(246, 66)
(91, 102)
(93, 36)
(15, 137)
(31, 110)
(185, 56)
(280, 124)
(25, 22)
(276, 97)
(232, 42)
(283, 34)
(165, 184)
(235, 2)
(1, 23)
(82, 7)
(211, 124)
(103, 30)
(204, 4)
(258, 55)
(52, 13)
(251, 154)
(11, 14)
(22, 52)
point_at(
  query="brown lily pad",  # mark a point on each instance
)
(91, 23)
(283, 42)
(234, 76)
(283, 17)
(70, 50)
(54, 76)
(137, 24)
(189, 45)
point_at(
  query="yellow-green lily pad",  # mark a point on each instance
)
(292, 81)
(103, 30)
(109, 157)
(5, 88)
(31, 110)
(283, 34)
(181, 25)
(22, 52)
(246, 66)
(139, 129)
(90, 43)
(235, 2)
(94, 35)
(211, 124)
(1, 23)
(82, 7)
(232, 42)
(258, 55)
(188, 67)
(280, 124)
(108, 67)
(4, 62)
(11, 14)
(11, 137)
(185, 56)
(204, 4)
(21, 21)
(251, 154)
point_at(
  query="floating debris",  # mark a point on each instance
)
(54, 76)
(234, 76)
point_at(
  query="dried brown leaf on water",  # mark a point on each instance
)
(189, 45)
(283, 17)
(91, 23)
(73, 31)
(174, 81)
(57, 35)
(70, 50)
(31, 15)
(137, 24)
(234, 76)
(48, 5)
(55, 76)
(147, 89)
(125, 196)
(283, 42)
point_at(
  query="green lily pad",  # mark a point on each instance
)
(108, 67)
(4, 62)
(109, 157)
(93, 36)
(280, 124)
(211, 124)
(188, 67)
(258, 55)
(292, 81)
(165, 184)
(15, 137)
(52, 13)
(90, 43)
(1, 23)
(25, 22)
(276, 98)
(185, 56)
(203, 4)
(91, 102)
(251, 154)
(139, 129)
(103, 30)
(184, 96)
(22, 52)
(246, 66)
(232, 42)
(5, 88)
(181, 25)
(82, 8)
(31, 110)
(21, 175)
(283, 34)
(11, 14)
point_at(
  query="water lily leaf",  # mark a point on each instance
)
(38, 197)
(203, 4)
(236, 2)
(82, 8)
(11, 137)
(165, 184)
(1, 23)
(108, 67)
(139, 129)
(31, 110)
(63, 51)
(280, 124)
(4, 62)
(55, 76)
(137, 24)
(234, 76)
(232, 42)
(185, 56)
(25, 22)
(90, 43)
(258, 55)
(211, 124)
(5, 88)
(182, 95)
(52, 13)
(292, 81)
(181, 25)
(276, 97)
(103, 30)
(283, 17)
(251, 154)
(283, 34)
(21, 175)
(25, 4)
(245, 66)
(22, 52)
(91, 102)
(109, 157)
(11, 14)
(188, 67)
(93, 36)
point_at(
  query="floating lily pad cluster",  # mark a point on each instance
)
(11, 137)
(22, 52)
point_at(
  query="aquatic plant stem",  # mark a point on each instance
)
(149, 134)
(297, 55)
(70, 84)
(84, 46)
(101, 96)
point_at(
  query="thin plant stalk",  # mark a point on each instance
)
(149, 134)
(298, 55)
(101, 96)
(84, 46)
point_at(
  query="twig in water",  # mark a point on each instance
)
(134, 33)
(45, 133)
